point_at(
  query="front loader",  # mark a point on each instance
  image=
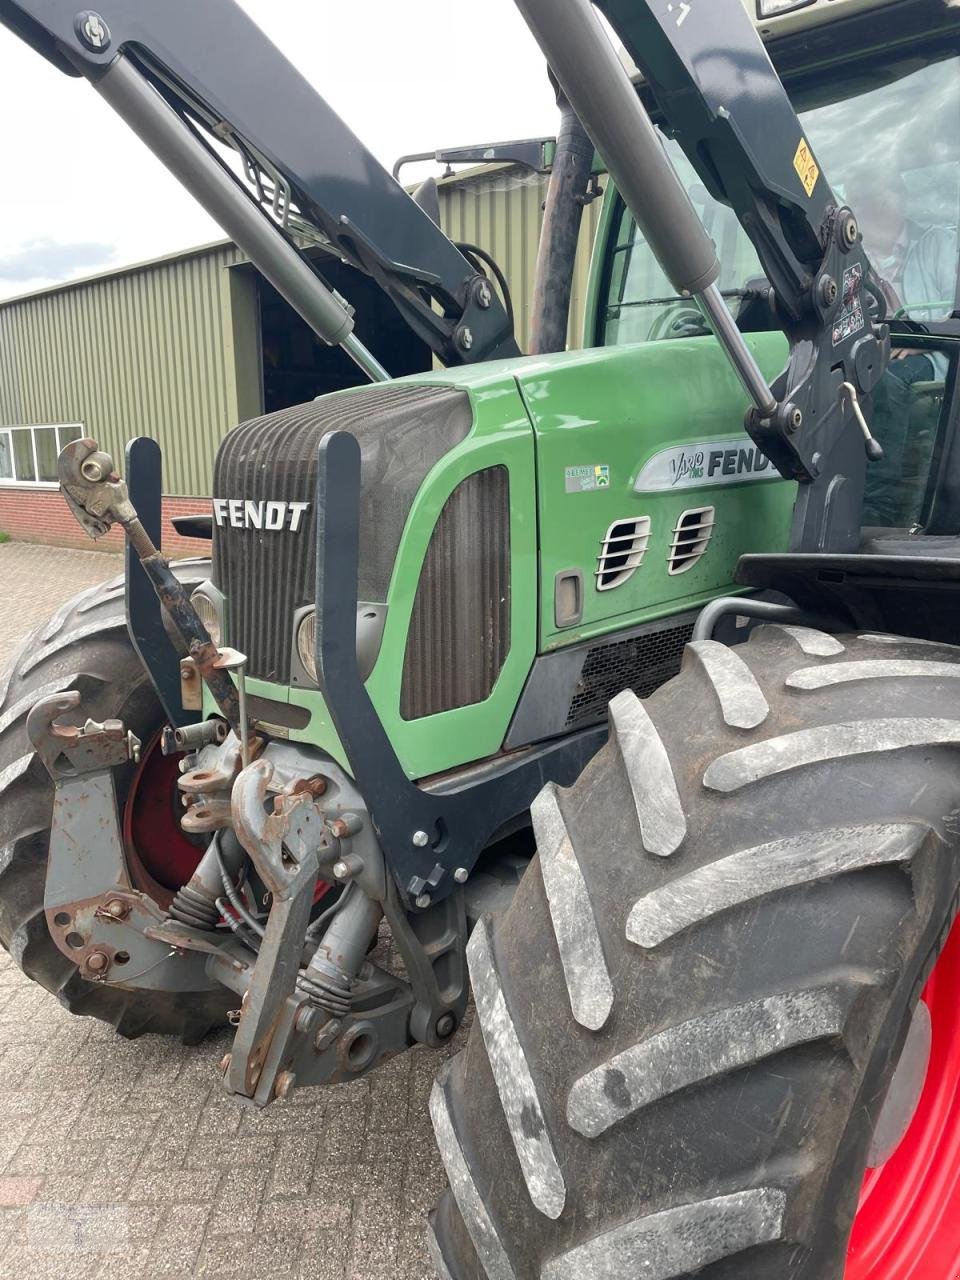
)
(616, 686)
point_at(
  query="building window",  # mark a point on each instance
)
(28, 455)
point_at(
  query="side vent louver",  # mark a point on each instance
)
(691, 537)
(622, 552)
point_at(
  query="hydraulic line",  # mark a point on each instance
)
(479, 258)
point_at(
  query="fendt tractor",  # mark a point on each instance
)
(616, 686)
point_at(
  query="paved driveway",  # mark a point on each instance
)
(123, 1159)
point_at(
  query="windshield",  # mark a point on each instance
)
(904, 186)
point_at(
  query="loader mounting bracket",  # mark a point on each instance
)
(428, 833)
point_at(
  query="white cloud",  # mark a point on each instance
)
(405, 78)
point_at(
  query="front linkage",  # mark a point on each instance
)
(286, 826)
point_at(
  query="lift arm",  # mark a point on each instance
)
(717, 89)
(194, 78)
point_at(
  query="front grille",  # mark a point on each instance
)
(641, 663)
(266, 576)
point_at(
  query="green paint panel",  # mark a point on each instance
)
(615, 409)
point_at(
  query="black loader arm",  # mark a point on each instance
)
(194, 77)
(719, 95)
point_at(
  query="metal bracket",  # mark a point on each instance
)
(95, 915)
(426, 836)
(284, 846)
(91, 488)
(155, 649)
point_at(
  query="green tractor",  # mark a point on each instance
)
(617, 686)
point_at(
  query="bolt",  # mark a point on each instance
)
(326, 1035)
(98, 962)
(306, 1017)
(92, 30)
(286, 1083)
(461, 875)
(796, 420)
(424, 900)
(828, 291)
(849, 231)
(225, 1063)
(117, 908)
(465, 337)
(346, 868)
(484, 295)
(314, 786)
(420, 839)
(348, 824)
(446, 1025)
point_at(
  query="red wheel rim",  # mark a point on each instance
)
(160, 857)
(908, 1222)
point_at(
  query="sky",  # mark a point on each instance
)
(82, 194)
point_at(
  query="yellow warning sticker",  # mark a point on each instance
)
(806, 167)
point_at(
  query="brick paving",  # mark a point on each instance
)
(126, 1159)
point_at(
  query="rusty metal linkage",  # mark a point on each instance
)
(99, 499)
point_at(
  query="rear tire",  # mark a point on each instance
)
(84, 646)
(689, 1017)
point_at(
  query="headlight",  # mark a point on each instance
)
(306, 643)
(209, 615)
(771, 8)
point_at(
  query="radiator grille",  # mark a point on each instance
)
(403, 432)
(460, 630)
(641, 663)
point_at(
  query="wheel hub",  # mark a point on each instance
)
(160, 857)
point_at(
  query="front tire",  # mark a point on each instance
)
(84, 646)
(689, 1018)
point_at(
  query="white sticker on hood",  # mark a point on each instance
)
(694, 466)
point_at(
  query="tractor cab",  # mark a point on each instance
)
(867, 84)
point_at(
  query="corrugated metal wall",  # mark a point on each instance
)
(501, 211)
(144, 352)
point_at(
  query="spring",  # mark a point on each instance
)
(194, 910)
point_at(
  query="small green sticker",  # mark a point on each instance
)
(586, 479)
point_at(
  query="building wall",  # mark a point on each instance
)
(149, 351)
(41, 515)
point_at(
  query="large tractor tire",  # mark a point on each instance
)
(85, 646)
(708, 1041)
